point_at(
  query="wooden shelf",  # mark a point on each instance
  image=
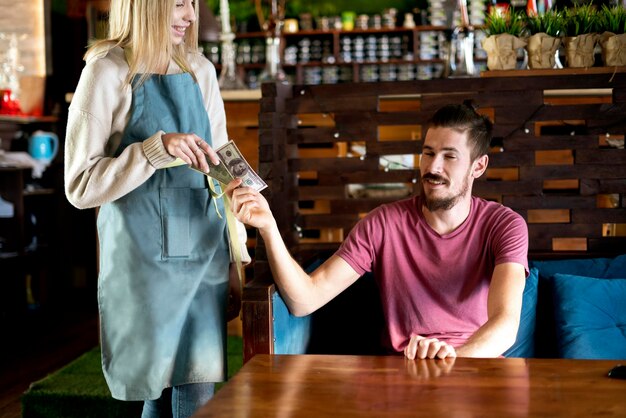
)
(28, 119)
(361, 63)
(410, 43)
(425, 28)
(317, 32)
(39, 192)
(553, 72)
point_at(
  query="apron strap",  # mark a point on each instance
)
(235, 246)
(234, 242)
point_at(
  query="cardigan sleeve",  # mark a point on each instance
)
(97, 117)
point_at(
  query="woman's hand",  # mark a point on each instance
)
(191, 149)
(249, 206)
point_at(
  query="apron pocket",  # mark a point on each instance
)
(174, 204)
(207, 229)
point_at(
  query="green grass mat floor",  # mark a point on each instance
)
(79, 389)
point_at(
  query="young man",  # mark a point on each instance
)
(450, 267)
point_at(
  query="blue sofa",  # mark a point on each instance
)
(572, 308)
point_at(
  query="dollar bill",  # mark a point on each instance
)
(232, 165)
(238, 167)
(218, 172)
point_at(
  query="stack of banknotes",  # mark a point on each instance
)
(234, 165)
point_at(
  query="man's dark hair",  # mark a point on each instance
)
(463, 117)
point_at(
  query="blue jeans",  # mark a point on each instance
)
(179, 402)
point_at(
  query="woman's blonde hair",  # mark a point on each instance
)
(143, 29)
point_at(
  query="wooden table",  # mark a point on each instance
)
(391, 386)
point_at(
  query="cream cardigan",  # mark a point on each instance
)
(97, 117)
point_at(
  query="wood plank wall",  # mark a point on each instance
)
(550, 161)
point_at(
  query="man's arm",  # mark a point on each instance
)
(504, 306)
(302, 293)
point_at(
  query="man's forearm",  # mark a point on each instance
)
(492, 339)
(296, 286)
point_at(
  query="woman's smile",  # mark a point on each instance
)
(179, 31)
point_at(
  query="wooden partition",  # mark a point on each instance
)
(331, 153)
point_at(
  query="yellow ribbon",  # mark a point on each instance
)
(177, 162)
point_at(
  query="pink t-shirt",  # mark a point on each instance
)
(434, 285)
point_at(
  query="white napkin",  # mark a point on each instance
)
(22, 159)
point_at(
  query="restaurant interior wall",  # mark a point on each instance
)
(60, 269)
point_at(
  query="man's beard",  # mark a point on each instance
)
(443, 203)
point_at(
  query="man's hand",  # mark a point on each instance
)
(249, 206)
(191, 149)
(422, 347)
(428, 369)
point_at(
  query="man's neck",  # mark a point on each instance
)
(446, 221)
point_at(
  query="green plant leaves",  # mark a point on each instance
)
(511, 22)
(612, 19)
(551, 23)
(581, 19)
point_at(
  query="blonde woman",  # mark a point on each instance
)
(145, 97)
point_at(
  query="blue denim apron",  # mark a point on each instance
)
(164, 260)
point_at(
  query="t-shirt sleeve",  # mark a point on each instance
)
(360, 247)
(511, 240)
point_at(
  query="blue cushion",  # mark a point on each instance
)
(590, 316)
(524, 345)
(616, 268)
(291, 333)
(589, 267)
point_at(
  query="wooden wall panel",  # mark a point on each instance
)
(550, 155)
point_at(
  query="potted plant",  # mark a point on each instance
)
(545, 38)
(581, 30)
(503, 29)
(612, 25)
